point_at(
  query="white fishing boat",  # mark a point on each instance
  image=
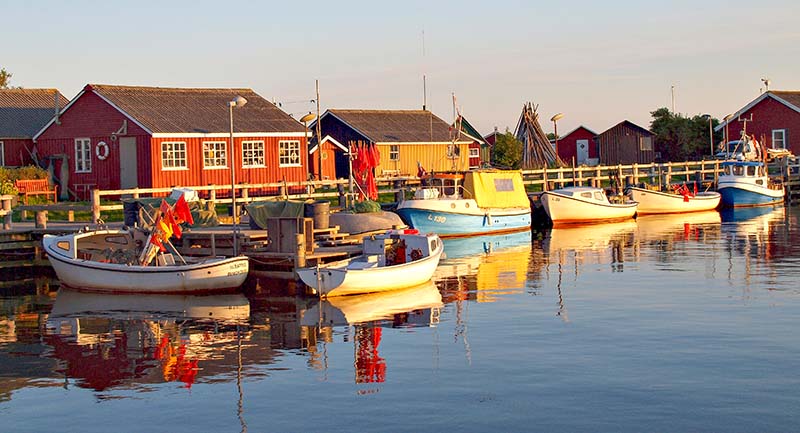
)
(392, 260)
(658, 202)
(109, 261)
(477, 202)
(583, 205)
(747, 183)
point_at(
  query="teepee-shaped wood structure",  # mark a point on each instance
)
(537, 152)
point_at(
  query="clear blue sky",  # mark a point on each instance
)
(598, 62)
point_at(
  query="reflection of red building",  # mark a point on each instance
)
(370, 367)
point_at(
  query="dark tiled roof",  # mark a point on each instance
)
(643, 131)
(23, 112)
(792, 97)
(397, 126)
(168, 110)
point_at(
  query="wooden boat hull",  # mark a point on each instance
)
(657, 202)
(745, 194)
(336, 279)
(462, 217)
(215, 274)
(563, 209)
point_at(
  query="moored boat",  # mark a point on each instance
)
(584, 205)
(392, 260)
(747, 183)
(109, 261)
(658, 202)
(470, 203)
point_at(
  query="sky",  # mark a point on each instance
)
(597, 62)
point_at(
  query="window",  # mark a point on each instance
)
(394, 152)
(173, 155)
(215, 154)
(2, 155)
(83, 155)
(779, 139)
(646, 143)
(474, 152)
(252, 154)
(289, 153)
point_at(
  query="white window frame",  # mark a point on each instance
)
(283, 156)
(474, 152)
(250, 157)
(172, 157)
(394, 152)
(215, 155)
(2, 154)
(782, 133)
(83, 155)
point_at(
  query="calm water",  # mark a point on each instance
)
(680, 324)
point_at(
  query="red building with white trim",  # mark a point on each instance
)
(581, 144)
(113, 137)
(773, 118)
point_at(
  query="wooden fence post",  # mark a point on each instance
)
(95, 205)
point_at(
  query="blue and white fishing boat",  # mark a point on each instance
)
(471, 203)
(746, 183)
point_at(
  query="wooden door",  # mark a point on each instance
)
(128, 172)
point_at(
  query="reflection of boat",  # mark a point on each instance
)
(658, 202)
(594, 237)
(489, 201)
(341, 310)
(108, 260)
(584, 204)
(654, 226)
(393, 260)
(746, 183)
(226, 307)
(766, 213)
(461, 247)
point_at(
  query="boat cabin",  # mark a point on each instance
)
(744, 169)
(589, 194)
(393, 248)
(442, 185)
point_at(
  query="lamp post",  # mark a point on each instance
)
(555, 119)
(710, 133)
(238, 101)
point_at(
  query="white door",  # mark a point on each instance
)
(127, 163)
(582, 151)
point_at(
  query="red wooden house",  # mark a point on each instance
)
(477, 156)
(114, 137)
(773, 118)
(23, 112)
(580, 144)
(626, 143)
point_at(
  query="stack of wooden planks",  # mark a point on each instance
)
(537, 152)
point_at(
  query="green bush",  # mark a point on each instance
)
(27, 172)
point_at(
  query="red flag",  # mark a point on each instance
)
(165, 207)
(182, 211)
(176, 228)
(157, 242)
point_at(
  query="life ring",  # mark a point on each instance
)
(101, 150)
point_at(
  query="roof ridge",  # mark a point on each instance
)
(182, 89)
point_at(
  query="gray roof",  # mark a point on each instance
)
(174, 110)
(397, 126)
(23, 112)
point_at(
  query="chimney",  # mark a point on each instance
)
(55, 96)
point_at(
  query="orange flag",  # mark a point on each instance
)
(173, 224)
(157, 242)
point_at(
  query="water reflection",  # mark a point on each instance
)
(482, 268)
(591, 244)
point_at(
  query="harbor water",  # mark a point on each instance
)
(684, 323)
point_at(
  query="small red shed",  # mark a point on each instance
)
(580, 144)
(773, 118)
(115, 137)
(23, 112)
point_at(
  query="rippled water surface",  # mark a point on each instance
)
(682, 323)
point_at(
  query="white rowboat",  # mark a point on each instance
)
(657, 202)
(584, 205)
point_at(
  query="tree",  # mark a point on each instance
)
(680, 138)
(5, 79)
(507, 151)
